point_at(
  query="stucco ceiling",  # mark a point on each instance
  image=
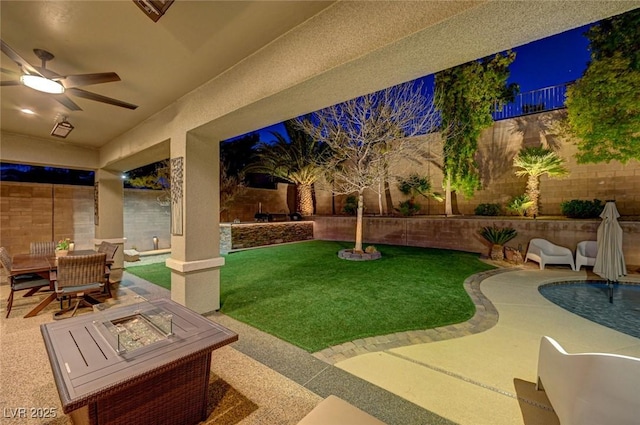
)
(374, 45)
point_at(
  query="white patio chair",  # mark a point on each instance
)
(586, 253)
(589, 388)
(544, 252)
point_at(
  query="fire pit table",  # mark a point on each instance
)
(146, 363)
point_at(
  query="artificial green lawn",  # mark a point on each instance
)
(303, 293)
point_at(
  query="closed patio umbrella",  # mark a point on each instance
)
(610, 263)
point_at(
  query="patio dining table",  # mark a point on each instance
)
(42, 265)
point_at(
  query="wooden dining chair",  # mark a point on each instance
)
(76, 277)
(42, 248)
(19, 282)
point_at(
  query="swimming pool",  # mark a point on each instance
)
(590, 299)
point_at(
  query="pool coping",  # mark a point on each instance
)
(485, 317)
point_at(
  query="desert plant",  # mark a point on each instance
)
(350, 205)
(520, 204)
(488, 209)
(533, 163)
(577, 208)
(408, 207)
(497, 236)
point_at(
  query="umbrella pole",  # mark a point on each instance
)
(610, 285)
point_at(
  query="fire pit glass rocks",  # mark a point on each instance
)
(147, 325)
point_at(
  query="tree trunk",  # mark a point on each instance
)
(305, 200)
(533, 191)
(497, 252)
(358, 246)
(387, 195)
(448, 211)
(380, 209)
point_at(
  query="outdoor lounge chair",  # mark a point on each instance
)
(589, 388)
(586, 254)
(20, 282)
(544, 252)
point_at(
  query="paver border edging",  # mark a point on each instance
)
(485, 317)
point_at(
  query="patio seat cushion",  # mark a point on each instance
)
(335, 411)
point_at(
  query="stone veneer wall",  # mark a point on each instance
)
(461, 233)
(249, 235)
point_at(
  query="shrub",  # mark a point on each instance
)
(577, 208)
(488, 209)
(350, 205)
(408, 208)
(520, 204)
(498, 235)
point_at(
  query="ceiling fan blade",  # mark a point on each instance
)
(99, 98)
(68, 103)
(8, 71)
(26, 66)
(10, 83)
(47, 73)
(71, 81)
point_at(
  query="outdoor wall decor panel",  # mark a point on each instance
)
(176, 195)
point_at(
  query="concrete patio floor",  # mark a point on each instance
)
(480, 378)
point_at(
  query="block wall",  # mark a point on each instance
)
(461, 233)
(44, 212)
(497, 147)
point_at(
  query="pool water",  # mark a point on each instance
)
(590, 299)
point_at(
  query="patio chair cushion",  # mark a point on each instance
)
(21, 282)
(544, 252)
(334, 410)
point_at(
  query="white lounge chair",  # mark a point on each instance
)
(586, 254)
(544, 252)
(589, 388)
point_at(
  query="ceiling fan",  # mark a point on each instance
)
(47, 81)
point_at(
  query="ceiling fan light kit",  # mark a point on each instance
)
(47, 81)
(42, 84)
(62, 129)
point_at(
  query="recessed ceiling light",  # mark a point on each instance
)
(27, 111)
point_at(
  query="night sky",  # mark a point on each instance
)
(544, 63)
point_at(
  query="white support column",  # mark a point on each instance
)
(109, 224)
(195, 254)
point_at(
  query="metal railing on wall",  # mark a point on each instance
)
(533, 102)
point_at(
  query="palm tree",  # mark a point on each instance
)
(296, 161)
(533, 163)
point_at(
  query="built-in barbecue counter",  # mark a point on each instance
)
(145, 363)
(235, 236)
